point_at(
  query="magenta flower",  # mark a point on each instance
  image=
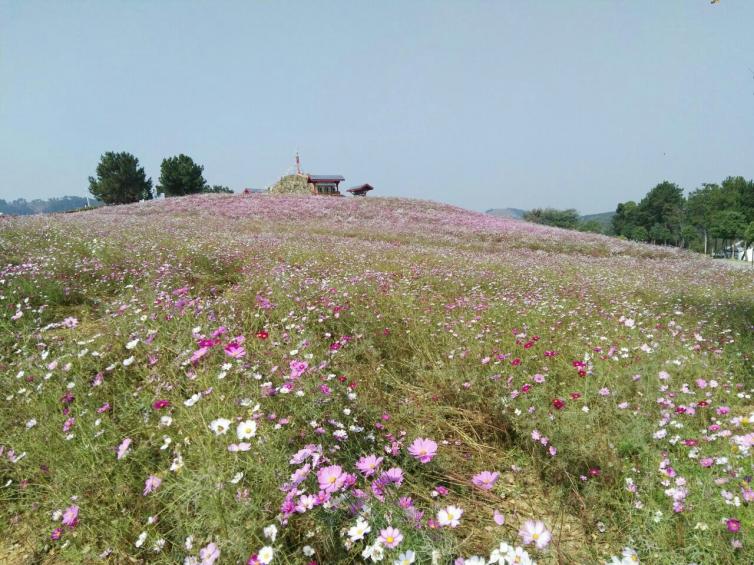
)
(485, 480)
(160, 404)
(235, 350)
(124, 447)
(152, 484)
(68, 424)
(423, 449)
(368, 464)
(71, 516)
(56, 534)
(733, 525)
(391, 537)
(330, 478)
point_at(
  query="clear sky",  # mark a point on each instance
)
(566, 103)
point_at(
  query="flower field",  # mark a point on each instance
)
(281, 379)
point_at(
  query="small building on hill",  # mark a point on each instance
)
(325, 184)
(360, 190)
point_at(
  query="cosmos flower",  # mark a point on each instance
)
(368, 464)
(246, 429)
(485, 480)
(423, 449)
(450, 516)
(390, 537)
(220, 426)
(123, 448)
(71, 516)
(534, 531)
(152, 484)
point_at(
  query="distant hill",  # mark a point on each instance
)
(604, 218)
(510, 213)
(23, 207)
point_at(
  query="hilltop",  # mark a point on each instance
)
(297, 379)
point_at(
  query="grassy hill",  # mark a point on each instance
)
(604, 218)
(283, 379)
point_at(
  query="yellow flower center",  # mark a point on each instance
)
(332, 480)
(389, 539)
(535, 536)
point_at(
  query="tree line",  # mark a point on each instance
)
(120, 180)
(711, 219)
(23, 207)
(568, 219)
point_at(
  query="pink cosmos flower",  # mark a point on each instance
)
(68, 424)
(209, 554)
(330, 478)
(485, 480)
(71, 516)
(368, 464)
(160, 404)
(498, 518)
(733, 525)
(198, 354)
(235, 349)
(124, 447)
(423, 449)
(56, 534)
(535, 532)
(391, 537)
(152, 484)
(298, 368)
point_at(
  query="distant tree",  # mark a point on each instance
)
(663, 205)
(180, 175)
(727, 225)
(639, 233)
(568, 219)
(218, 188)
(689, 237)
(659, 233)
(626, 218)
(592, 226)
(120, 180)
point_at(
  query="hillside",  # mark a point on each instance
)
(604, 218)
(510, 213)
(295, 379)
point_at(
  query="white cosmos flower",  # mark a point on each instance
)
(450, 516)
(220, 426)
(141, 539)
(265, 555)
(31, 423)
(127, 362)
(409, 557)
(133, 343)
(246, 429)
(357, 532)
(270, 532)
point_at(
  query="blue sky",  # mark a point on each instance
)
(481, 104)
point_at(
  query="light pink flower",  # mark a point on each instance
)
(71, 516)
(330, 478)
(123, 448)
(485, 480)
(391, 537)
(152, 484)
(423, 449)
(368, 464)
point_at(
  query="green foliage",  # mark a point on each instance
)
(180, 176)
(568, 219)
(217, 189)
(120, 180)
(727, 224)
